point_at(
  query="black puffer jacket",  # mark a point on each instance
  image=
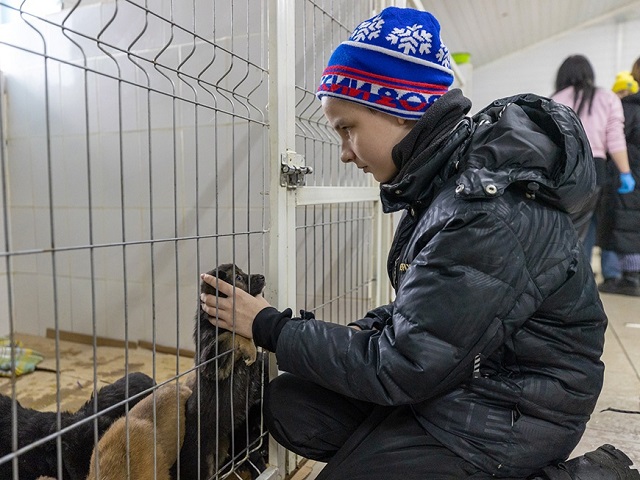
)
(619, 214)
(496, 331)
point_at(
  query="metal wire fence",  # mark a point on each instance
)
(336, 237)
(136, 155)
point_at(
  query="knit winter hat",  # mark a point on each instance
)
(624, 81)
(394, 62)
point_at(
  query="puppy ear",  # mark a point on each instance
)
(210, 290)
(222, 275)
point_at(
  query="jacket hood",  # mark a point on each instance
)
(527, 141)
(534, 143)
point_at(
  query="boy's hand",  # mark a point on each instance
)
(236, 312)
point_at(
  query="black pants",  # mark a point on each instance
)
(359, 440)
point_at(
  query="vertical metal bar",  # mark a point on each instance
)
(150, 153)
(383, 231)
(377, 290)
(233, 196)
(175, 226)
(216, 137)
(149, 129)
(123, 230)
(52, 239)
(282, 246)
(8, 270)
(92, 270)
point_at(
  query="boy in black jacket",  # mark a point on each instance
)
(487, 363)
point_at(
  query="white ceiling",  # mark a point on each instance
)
(491, 29)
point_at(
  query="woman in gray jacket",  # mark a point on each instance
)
(487, 363)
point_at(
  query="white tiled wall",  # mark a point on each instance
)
(76, 120)
(610, 47)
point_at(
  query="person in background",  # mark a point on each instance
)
(623, 85)
(619, 215)
(601, 114)
(487, 362)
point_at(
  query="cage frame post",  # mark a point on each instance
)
(281, 291)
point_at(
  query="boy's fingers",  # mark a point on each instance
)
(215, 301)
(217, 310)
(215, 282)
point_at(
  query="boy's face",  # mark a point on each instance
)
(367, 135)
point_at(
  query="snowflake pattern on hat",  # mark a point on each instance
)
(368, 29)
(443, 56)
(409, 38)
(394, 62)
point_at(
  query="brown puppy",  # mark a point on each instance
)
(77, 443)
(170, 430)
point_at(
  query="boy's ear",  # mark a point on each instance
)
(406, 122)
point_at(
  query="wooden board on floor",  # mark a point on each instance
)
(76, 366)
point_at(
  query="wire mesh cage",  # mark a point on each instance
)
(335, 239)
(135, 155)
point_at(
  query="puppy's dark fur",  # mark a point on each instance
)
(77, 444)
(230, 384)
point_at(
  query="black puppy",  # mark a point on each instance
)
(77, 444)
(222, 343)
(232, 374)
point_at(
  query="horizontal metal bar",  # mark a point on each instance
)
(147, 87)
(132, 242)
(346, 221)
(326, 195)
(268, 474)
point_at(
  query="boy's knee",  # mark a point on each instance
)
(277, 393)
(307, 418)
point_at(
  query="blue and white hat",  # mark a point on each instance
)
(394, 62)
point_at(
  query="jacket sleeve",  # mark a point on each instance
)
(376, 319)
(449, 308)
(614, 130)
(632, 123)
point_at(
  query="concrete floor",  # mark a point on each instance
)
(621, 383)
(621, 387)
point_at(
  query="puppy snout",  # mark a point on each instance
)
(257, 283)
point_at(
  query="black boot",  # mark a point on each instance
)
(604, 463)
(629, 284)
(610, 285)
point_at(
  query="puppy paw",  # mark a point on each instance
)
(246, 349)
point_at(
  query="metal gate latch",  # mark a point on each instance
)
(293, 170)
